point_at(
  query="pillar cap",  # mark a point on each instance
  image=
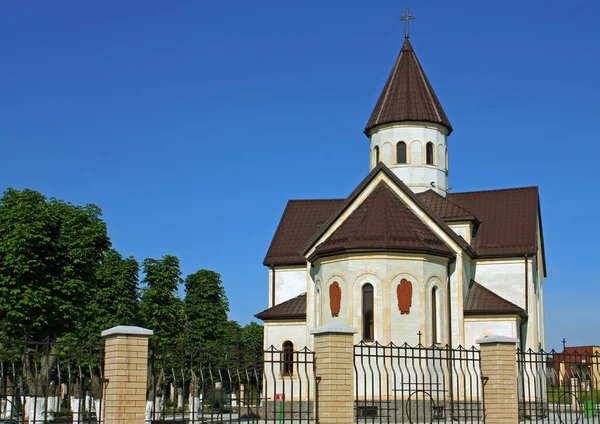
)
(497, 339)
(333, 328)
(127, 330)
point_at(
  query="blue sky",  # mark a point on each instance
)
(191, 123)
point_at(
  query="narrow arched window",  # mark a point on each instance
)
(434, 316)
(429, 153)
(367, 313)
(376, 155)
(318, 309)
(288, 358)
(401, 152)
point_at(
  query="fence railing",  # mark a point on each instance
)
(51, 382)
(417, 384)
(212, 384)
(559, 386)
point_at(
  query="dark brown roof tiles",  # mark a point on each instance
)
(294, 308)
(301, 219)
(508, 220)
(407, 95)
(444, 208)
(482, 301)
(382, 222)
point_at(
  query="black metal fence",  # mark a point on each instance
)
(404, 384)
(559, 387)
(213, 385)
(44, 382)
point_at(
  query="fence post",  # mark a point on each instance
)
(125, 368)
(334, 361)
(499, 368)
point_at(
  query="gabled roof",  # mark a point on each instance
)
(508, 220)
(444, 208)
(482, 301)
(407, 95)
(300, 220)
(294, 308)
(382, 222)
(364, 183)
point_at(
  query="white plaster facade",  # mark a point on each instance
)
(415, 173)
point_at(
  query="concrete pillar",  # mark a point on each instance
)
(125, 368)
(499, 368)
(334, 360)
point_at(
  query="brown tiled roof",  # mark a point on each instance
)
(382, 168)
(300, 220)
(444, 208)
(482, 301)
(290, 309)
(508, 220)
(407, 95)
(382, 222)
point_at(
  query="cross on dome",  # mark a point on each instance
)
(407, 18)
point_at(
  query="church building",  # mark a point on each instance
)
(402, 259)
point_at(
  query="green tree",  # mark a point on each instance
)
(50, 252)
(206, 308)
(253, 337)
(115, 298)
(160, 308)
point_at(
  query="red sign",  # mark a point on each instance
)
(280, 397)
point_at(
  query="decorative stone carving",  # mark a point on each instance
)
(404, 292)
(335, 298)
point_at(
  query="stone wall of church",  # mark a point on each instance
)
(415, 173)
(385, 274)
(479, 327)
(505, 277)
(294, 386)
(521, 285)
(289, 283)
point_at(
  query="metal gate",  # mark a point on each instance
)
(404, 384)
(559, 387)
(215, 385)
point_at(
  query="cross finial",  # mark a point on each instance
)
(407, 18)
(419, 334)
(564, 342)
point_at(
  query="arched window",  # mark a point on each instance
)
(401, 152)
(367, 313)
(288, 358)
(429, 153)
(318, 308)
(376, 155)
(434, 316)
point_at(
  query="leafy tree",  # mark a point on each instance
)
(115, 298)
(160, 308)
(206, 308)
(50, 252)
(253, 337)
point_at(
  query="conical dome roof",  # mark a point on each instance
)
(407, 95)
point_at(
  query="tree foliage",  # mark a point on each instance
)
(206, 308)
(114, 300)
(160, 308)
(253, 337)
(50, 251)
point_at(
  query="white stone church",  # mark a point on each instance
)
(402, 259)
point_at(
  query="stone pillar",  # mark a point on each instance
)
(125, 368)
(499, 368)
(334, 360)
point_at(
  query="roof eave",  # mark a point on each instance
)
(290, 317)
(369, 128)
(341, 251)
(521, 314)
